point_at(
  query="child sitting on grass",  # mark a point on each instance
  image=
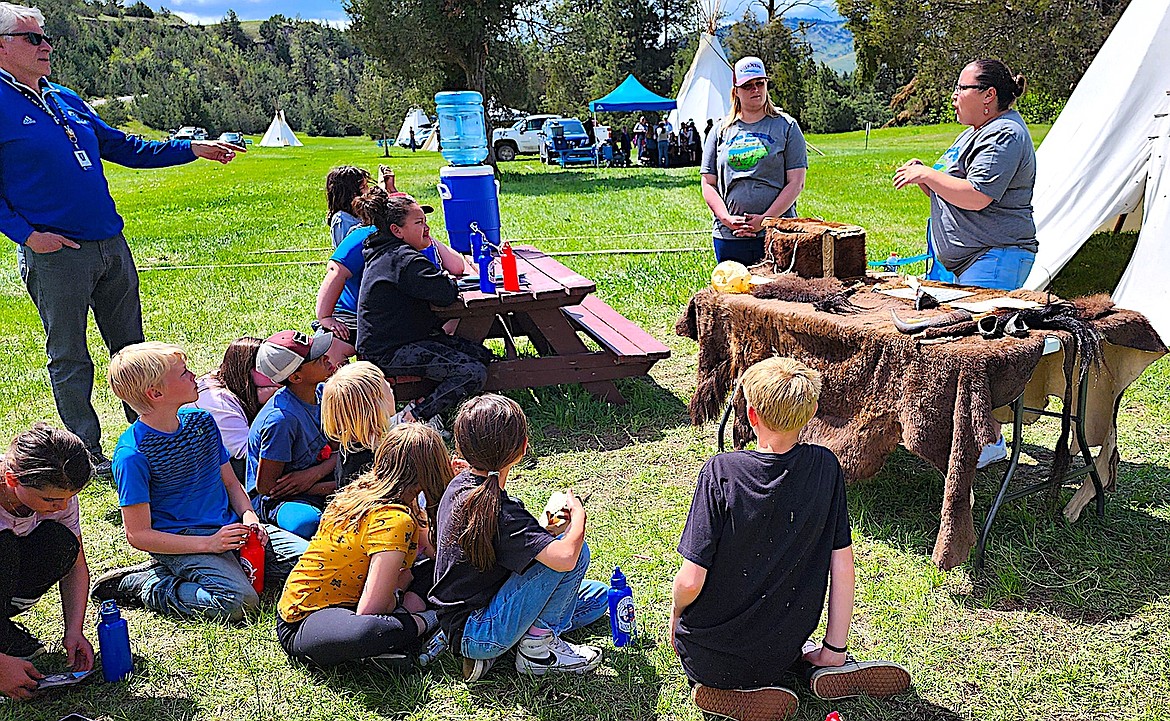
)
(40, 547)
(290, 461)
(353, 594)
(181, 502)
(357, 409)
(501, 579)
(767, 532)
(396, 328)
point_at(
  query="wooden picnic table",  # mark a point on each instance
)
(553, 307)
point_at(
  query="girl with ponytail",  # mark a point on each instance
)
(501, 578)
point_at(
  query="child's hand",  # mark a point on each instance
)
(574, 509)
(229, 538)
(292, 484)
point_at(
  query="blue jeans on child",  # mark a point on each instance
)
(999, 268)
(538, 597)
(214, 585)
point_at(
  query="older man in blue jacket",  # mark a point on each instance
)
(55, 205)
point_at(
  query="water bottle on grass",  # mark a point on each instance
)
(621, 609)
(114, 642)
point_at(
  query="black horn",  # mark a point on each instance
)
(917, 326)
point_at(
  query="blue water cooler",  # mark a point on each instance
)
(469, 191)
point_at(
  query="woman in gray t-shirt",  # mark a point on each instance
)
(981, 189)
(754, 165)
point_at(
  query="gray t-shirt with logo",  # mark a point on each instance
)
(751, 162)
(999, 161)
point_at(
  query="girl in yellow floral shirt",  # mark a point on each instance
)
(349, 596)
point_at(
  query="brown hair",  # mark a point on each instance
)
(993, 73)
(47, 457)
(411, 458)
(378, 208)
(342, 185)
(491, 433)
(235, 373)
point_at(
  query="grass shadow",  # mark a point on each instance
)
(908, 706)
(1092, 571)
(97, 699)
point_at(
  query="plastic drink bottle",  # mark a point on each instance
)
(252, 560)
(621, 609)
(114, 642)
(431, 254)
(508, 266)
(461, 126)
(484, 260)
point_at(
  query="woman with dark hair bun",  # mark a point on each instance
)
(980, 190)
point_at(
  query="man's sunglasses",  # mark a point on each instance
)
(960, 88)
(32, 38)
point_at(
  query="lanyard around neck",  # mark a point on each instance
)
(42, 101)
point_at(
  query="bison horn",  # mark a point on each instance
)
(990, 326)
(917, 326)
(1016, 326)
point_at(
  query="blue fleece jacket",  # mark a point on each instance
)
(43, 186)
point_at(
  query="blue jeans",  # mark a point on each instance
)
(999, 268)
(214, 585)
(64, 285)
(663, 153)
(748, 251)
(538, 597)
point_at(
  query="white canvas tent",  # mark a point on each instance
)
(432, 143)
(706, 88)
(1106, 156)
(417, 121)
(279, 135)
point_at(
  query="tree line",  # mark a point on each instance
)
(550, 56)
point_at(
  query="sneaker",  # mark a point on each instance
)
(21, 644)
(878, 679)
(756, 704)
(992, 453)
(124, 585)
(474, 669)
(540, 655)
(102, 468)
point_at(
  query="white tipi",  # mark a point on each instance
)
(417, 121)
(1107, 155)
(706, 88)
(279, 135)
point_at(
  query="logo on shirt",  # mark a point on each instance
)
(746, 150)
(29, 121)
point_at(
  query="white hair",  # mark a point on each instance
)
(11, 15)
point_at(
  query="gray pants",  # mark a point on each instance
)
(64, 285)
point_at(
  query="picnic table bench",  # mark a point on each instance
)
(553, 307)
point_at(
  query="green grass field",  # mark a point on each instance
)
(1068, 622)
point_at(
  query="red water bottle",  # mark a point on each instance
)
(508, 263)
(252, 560)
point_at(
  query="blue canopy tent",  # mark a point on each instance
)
(631, 95)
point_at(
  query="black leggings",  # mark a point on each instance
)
(30, 566)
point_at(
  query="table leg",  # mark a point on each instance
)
(549, 329)
(475, 329)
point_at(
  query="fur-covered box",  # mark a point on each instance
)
(823, 248)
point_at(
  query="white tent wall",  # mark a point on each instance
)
(1094, 163)
(1144, 287)
(706, 88)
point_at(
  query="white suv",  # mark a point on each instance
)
(522, 137)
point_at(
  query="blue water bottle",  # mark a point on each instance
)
(114, 642)
(621, 609)
(483, 259)
(461, 127)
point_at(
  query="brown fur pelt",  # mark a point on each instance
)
(828, 295)
(881, 387)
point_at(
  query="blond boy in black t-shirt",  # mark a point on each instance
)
(766, 536)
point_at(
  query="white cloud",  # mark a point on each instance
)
(196, 19)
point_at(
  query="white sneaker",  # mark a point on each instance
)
(992, 453)
(540, 655)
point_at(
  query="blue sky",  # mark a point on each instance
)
(211, 11)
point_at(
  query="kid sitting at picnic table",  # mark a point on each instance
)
(40, 547)
(767, 532)
(353, 594)
(181, 502)
(501, 578)
(290, 461)
(396, 328)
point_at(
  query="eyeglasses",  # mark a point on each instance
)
(753, 84)
(34, 39)
(960, 88)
